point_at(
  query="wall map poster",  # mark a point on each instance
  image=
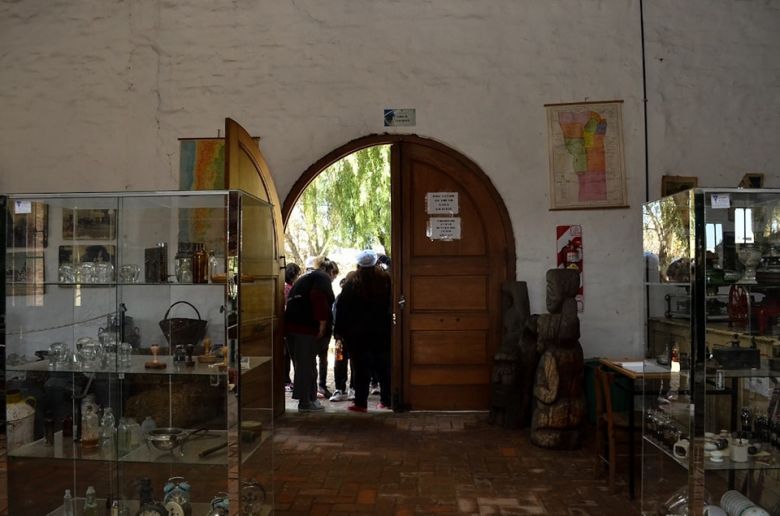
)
(585, 144)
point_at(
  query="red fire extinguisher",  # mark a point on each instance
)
(572, 255)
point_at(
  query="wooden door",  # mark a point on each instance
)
(449, 316)
(247, 170)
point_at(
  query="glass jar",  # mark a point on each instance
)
(57, 354)
(66, 273)
(184, 269)
(89, 351)
(85, 273)
(104, 272)
(90, 428)
(124, 354)
(134, 433)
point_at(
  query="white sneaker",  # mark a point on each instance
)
(351, 394)
(339, 395)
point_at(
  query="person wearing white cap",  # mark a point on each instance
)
(363, 323)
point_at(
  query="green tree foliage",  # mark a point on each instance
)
(666, 231)
(346, 206)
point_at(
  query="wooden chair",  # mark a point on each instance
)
(608, 422)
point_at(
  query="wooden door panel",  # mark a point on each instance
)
(246, 169)
(449, 348)
(448, 397)
(449, 321)
(452, 376)
(451, 324)
(449, 293)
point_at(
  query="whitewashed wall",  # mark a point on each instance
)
(95, 93)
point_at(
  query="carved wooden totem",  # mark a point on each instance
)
(514, 364)
(559, 407)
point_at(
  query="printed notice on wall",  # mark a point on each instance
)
(21, 207)
(444, 228)
(441, 203)
(720, 201)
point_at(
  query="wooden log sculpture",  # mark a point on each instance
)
(515, 362)
(559, 398)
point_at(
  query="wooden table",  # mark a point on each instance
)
(634, 369)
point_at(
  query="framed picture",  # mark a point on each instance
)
(585, 148)
(97, 224)
(670, 185)
(24, 273)
(76, 254)
(752, 181)
(28, 224)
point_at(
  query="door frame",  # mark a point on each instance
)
(399, 397)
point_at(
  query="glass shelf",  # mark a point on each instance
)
(133, 505)
(138, 367)
(64, 448)
(762, 460)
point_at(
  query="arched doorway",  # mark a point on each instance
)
(447, 291)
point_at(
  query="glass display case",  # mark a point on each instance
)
(138, 352)
(711, 422)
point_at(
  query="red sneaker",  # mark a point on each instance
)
(355, 408)
(381, 405)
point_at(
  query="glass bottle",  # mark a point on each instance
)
(123, 436)
(212, 265)
(67, 425)
(90, 503)
(200, 264)
(90, 428)
(107, 429)
(148, 425)
(48, 429)
(67, 504)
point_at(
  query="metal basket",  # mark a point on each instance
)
(182, 330)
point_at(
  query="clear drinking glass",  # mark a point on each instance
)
(124, 354)
(66, 273)
(129, 273)
(104, 272)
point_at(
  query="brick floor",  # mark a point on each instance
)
(337, 462)
(341, 463)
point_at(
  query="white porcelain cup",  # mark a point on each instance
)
(739, 450)
(680, 448)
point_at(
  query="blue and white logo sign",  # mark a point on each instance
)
(400, 117)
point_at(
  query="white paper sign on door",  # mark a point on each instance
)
(444, 228)
(441, 203)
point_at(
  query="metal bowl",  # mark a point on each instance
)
(166, 439)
